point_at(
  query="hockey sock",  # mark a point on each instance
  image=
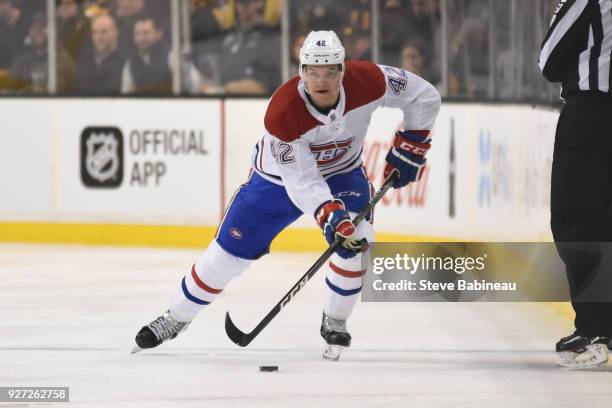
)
(343, 283)
(206, 279)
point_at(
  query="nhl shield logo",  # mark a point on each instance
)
(102, 157)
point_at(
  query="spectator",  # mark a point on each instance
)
(67, 10)
(147, 69)
(126, 12)
(250, 55)
(273, 12)
(30, 69)
(99, 69)
(31, 8)
(72, 28)
(393, 16)
(469, 50)
(210, 18)
(13, 30)
(356, 28)
(298, 41)
(358, 17)
(210, 21)
(129, 8)
(317, 15)
(94, 8)
(423, 19)
(358, 46)
(424, 24)
(414, 57)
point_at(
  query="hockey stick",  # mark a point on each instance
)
(243, 339)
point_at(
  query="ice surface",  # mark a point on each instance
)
(68, 316)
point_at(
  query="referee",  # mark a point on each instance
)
(576, 52)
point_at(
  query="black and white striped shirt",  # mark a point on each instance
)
(577, 48)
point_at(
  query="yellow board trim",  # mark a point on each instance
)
(294, 239)
(563, 309)
(106, 234)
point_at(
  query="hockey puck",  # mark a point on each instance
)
(268, 368)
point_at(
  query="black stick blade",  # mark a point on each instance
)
(234, 333)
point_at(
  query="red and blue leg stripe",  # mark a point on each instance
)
(340, 291)
(190, 296)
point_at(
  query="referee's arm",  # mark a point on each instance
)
(565, 37)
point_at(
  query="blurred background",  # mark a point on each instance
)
(132, 122)
(470, 49)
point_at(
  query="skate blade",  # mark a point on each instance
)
(595, 356)
(332, 352)
(136, 349)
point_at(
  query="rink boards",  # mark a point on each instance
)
(161, 172)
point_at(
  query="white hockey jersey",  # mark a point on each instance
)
(302, 147)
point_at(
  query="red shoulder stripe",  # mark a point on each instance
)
(363, 83)
(287, 117)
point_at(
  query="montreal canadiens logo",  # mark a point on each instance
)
(235, 232)
(330, 153)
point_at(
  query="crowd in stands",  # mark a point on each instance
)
(112, 47)
(236, 45)
(482, 56)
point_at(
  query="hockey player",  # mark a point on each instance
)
(309, 162)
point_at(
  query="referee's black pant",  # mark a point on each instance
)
(581, 198)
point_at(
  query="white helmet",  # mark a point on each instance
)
(321, 48)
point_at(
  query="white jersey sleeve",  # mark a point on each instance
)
(298, 169)
(417, 98)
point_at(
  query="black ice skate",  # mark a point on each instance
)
(335, 335)
(162, 329)
(579, 352)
